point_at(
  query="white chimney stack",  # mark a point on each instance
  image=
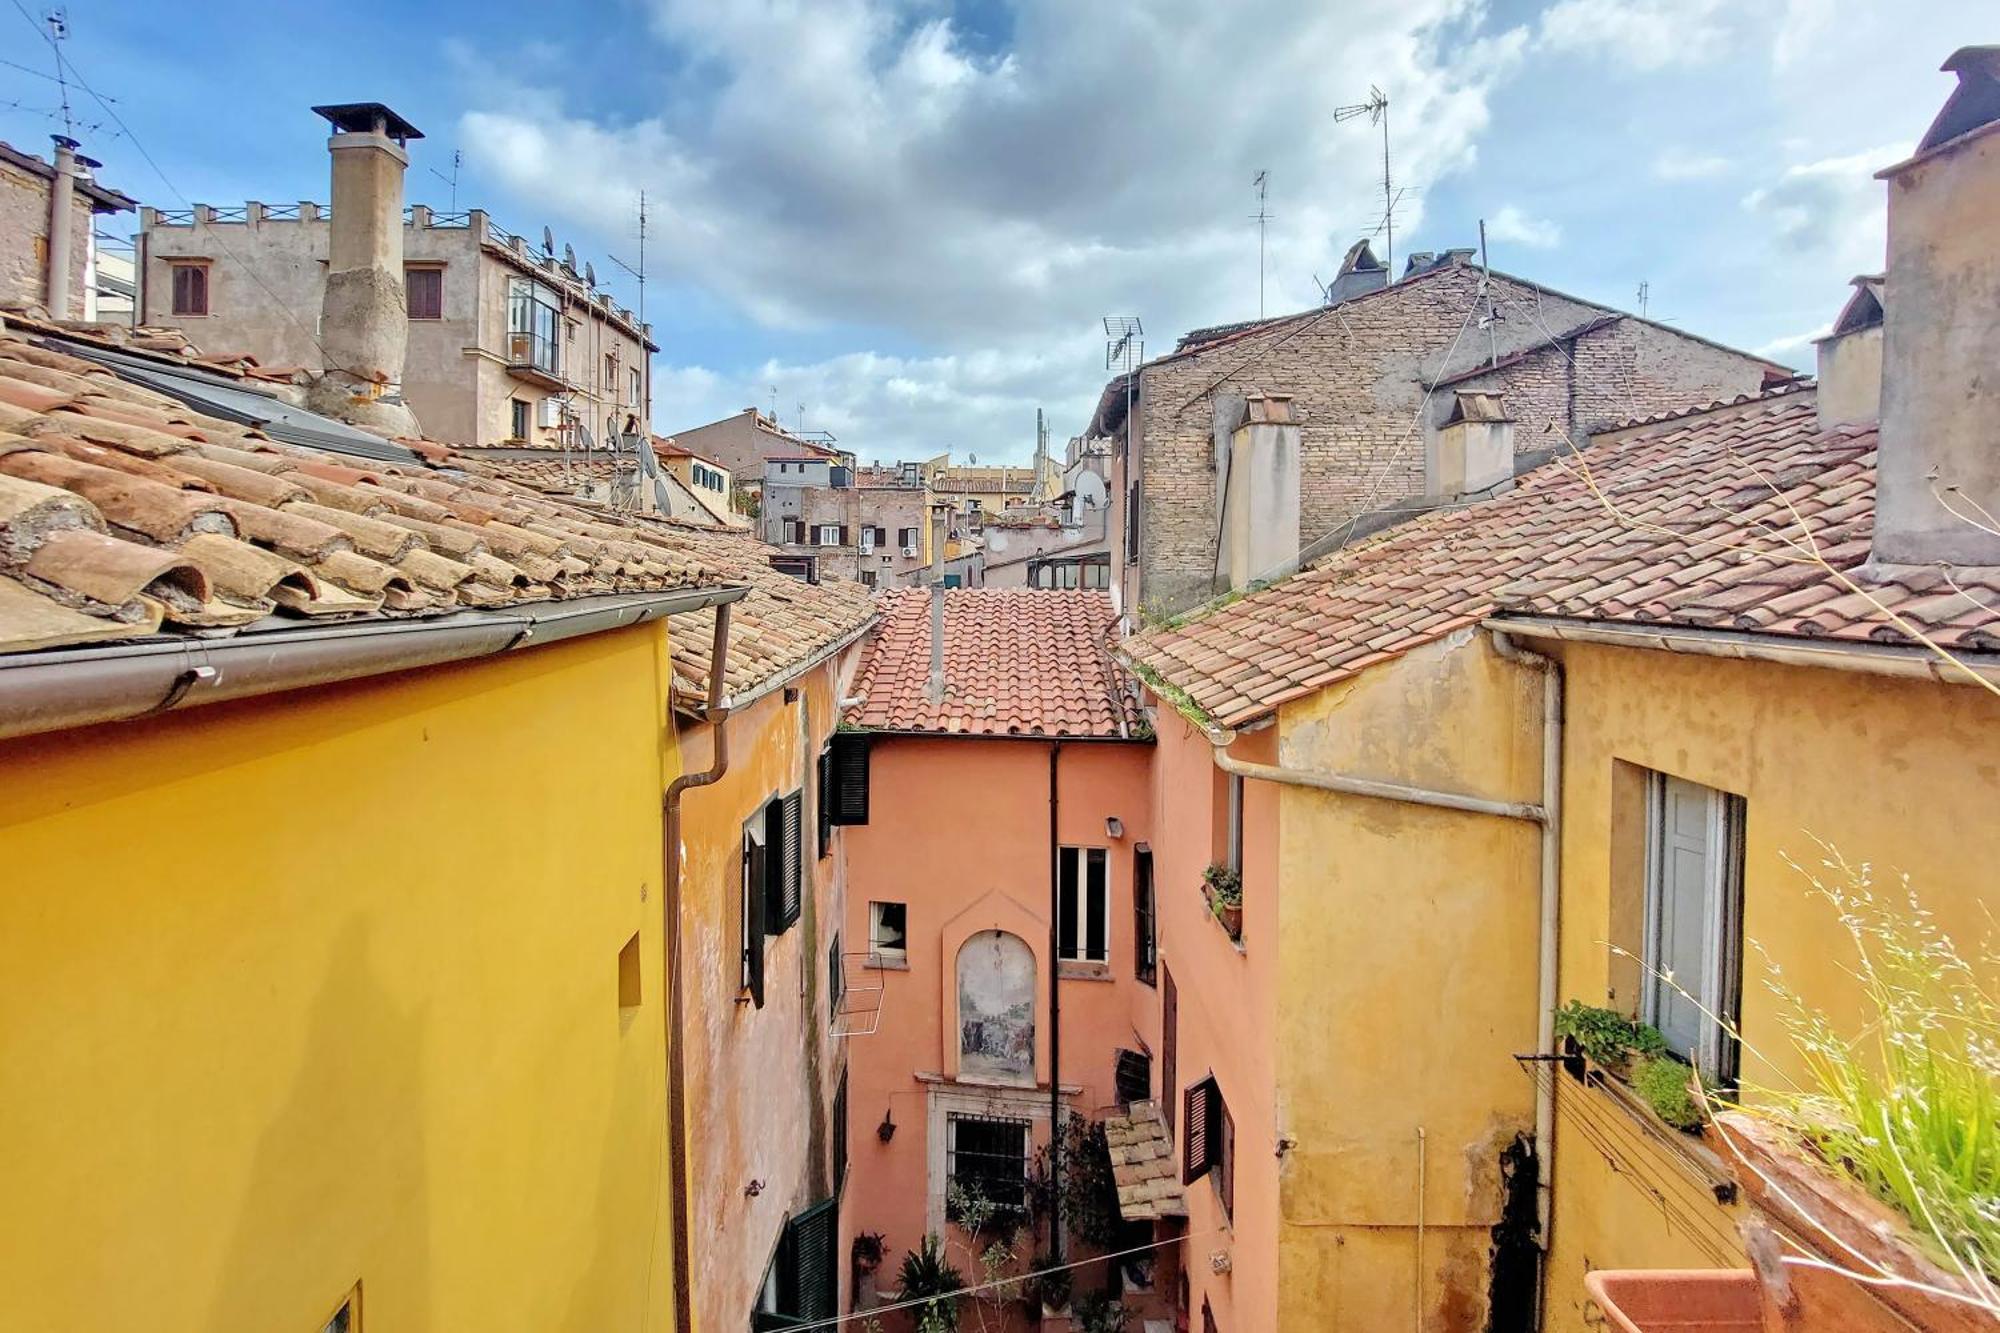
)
(1850, 360)
(364, 320)
(1261, 495)
(1473, 451)
(1938, 466)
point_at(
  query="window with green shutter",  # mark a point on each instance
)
(800, 1288)
(784, 841)
(847, 777)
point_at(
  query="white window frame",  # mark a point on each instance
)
(1081, 856)
(826, 534)
(879, 953)
(1718, 988)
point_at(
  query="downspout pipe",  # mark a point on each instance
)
(1055, 994)
(1547, 955)
(715, 713)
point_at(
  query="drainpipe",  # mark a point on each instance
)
(62, 190)
(1546, 962)
(934, 689)
(1055, 999)
(716, 714)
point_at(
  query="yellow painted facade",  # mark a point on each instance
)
(1898, 773)
(324, 988)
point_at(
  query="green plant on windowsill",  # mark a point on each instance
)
(1225, 886)
(1608, 1037)
(1664, 1084)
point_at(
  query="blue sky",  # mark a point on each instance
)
(908, 215)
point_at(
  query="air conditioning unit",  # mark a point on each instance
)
(910, 552)
(549, 413)
(867, 541)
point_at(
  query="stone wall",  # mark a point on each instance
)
(1358, 373)
(24, 241)
(854, 507)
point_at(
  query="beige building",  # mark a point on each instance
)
(509, 342)
(742, 442)
(705, 479)
(25, 248)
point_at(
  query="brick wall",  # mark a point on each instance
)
(24, 239)
(1357, 373)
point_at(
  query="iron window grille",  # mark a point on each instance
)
(987, 1161)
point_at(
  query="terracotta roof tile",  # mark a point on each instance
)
(124, 514)
(1677, 525)
(1017, 662)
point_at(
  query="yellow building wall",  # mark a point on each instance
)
(323, 988)
(1898, 773)
(1407, 985)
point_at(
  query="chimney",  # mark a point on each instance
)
(62, 191)
(1473, 451)
(1261, 493)
(364, 323)
(934, 687)
(1850, 360)
(1360, 271)
(1939, 448)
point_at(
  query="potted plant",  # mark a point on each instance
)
(1636, 1055)
(1224, 889)
(931, 1278)
(869, 1249)
(1050, 1286)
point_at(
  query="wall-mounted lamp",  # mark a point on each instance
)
(753, 1189)
(887, 1129)
(1114, 826)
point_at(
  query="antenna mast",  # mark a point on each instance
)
(1376, 108)
(640, 271)
(1645, 290)
(457, 160)
(1261, 217)
(57, 23)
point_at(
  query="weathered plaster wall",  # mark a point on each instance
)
(959, 831)
(891, 508)
(24, 240)
(1899, 774)
(760, 1081)
(1408, 984)
(1229, 1007)
(289, 999)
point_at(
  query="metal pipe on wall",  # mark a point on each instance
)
(62, 191)
(1055, 996)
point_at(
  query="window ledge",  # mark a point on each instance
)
(883, 962)
(1690, 1153)
(1077, 969)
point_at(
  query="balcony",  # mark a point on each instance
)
(535, 358)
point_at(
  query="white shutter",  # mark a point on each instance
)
(1684, 912)
(549, 413)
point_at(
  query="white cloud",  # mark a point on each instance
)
(1791, 348)
(1832, 209)
(1511, 224)
(1681, 164)
(1645, 34)
(864, 163)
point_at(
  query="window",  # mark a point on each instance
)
(907, 539)
(1228, 830)
(988, 1160)
(632, 387)
(784, 857)
(801, 1282)
(1132, 1076)
(1145, 940)
(423, 290)
(1693, 944)
(1208, 1143)
(751, 901)
(888, 932)
(533, 312)
(1170, 1045)
(628, 974)
(836, 978)
(1082, 905)
(610, 370)
(867, 578)
(827, 534)
(190, 288)
(844, 795)
(346, 1319)
(520, 417)
(840, 1134)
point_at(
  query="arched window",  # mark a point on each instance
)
(996, 1007)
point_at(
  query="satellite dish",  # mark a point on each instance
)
(548, 242)
(972, 460)
(569, 258)
(589, 274)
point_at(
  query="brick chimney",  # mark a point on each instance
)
(1850, 359)
(364, 322)
(1261, 496)
(1940, 433)
(1473, 451)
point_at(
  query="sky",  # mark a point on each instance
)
(903, 221)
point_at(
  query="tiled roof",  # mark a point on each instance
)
(1143, 1165)
(1697, 523)
(125, 514)
(1017, 662)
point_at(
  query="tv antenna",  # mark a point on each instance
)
(1261, 217)
(57, 23)
(1376, 108)
(1645, 290)
(457, 160)
(640, 271)
(1124, 345)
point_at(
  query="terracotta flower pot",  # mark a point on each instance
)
(1799, 1197)
(1229, 914)
(1680, 1300)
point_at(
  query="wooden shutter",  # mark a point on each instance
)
(812, 1245)
(1133, 1076)
(840, 1134)
(843, 534)
(847, 794)
(784, 832)
(1197, 1145)
(1170, 1044)
(753, 917)
(825, 809)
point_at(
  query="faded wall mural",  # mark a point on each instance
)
(996, 1007)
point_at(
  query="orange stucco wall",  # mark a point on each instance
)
(760, 1081)
(959, 831)
(1228, 998)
